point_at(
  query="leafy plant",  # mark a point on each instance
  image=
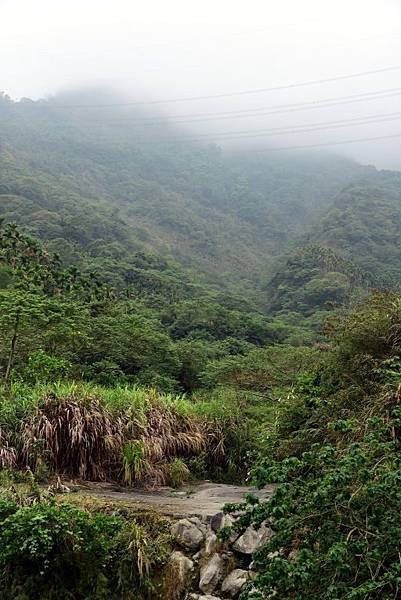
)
(44, 368)
(336, 510)
(134, 460)
(51, 551)
(178, 473)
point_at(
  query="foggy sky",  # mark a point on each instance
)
(173, 49)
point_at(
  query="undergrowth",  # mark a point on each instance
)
(334, 451)
(56, 550)
(129, 435)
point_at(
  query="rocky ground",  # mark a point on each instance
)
(207, 568)
(202, 567)
(202, 499)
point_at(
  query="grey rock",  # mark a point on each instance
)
(183, 567)
(201, 597)
(187, 534)
(198, 523)
(234, 582)
(209, 547)
(210, 543)
(211, 574)
(234, 535)
(252, 539)
(220, 520)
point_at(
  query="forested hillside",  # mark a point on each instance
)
(171, 312)
(110, 182)
(352, 248)
(364, 223)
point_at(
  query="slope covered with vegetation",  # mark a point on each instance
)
(350, 250)
(112, 181)
(171, 312)
(363, 224)
(334, 450)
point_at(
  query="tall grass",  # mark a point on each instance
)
(74, 435)
(129, 434)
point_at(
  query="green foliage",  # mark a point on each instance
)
(363, 223)
(134, 460)
(334, 452)
(51, 550)
(44, 368)
(178, 473)
(336, 519)
(351, 249)
(265, 373)
(316, 278)
(112, 337)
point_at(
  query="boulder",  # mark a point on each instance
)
(187, 534)
(252, 539)
(234, 582)
(210, 543)
(183, 567)
(220, 520)
(201, 597)
(211, 546)
(211, 574)
(198, 523)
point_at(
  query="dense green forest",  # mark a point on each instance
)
(105, 182)
(172, 312)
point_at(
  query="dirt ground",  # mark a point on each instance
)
(202, 499)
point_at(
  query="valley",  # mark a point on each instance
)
(187, 330)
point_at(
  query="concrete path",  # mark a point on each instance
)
(202, 499)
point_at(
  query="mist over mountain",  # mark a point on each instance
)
(293, 74)
(200, 267)
(100, 176)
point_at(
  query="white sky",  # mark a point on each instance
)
(175, 48)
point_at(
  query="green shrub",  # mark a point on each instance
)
(335, 453)
(105, 372)
(56, 551)
(336, 516)
(51, 551)
(44, 368)
(178, 473)
(134, 461)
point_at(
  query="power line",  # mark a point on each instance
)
(326, 144)
(339, 124)
(239, 93)
(261, 111)
(258, 112)
(287, 108)
(378, 118)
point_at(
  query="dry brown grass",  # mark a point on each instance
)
(215, 445)
(73, 436)
(8, 454)
(76, 435)
(167, 435)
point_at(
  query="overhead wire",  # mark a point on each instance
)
(325, 144)
(378, 118)
(247, 113)
(287, 86)
(323, 103)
